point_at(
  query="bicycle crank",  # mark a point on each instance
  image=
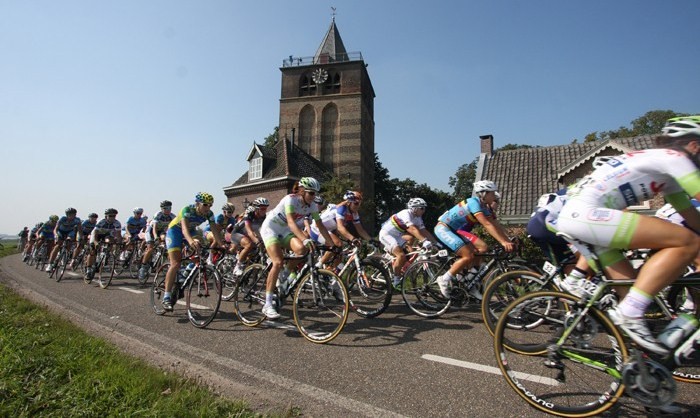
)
(649, 382)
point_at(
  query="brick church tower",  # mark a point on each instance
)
(327, 110)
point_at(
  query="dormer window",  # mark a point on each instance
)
(256, 165)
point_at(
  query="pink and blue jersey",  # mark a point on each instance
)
(462, 216)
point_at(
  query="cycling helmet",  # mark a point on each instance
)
(111, 211)
(319, 200)
(228, 207)
(497, 196)
(310, 183)
(350, 196)
(416, 202)
(138, 210)
(92, 215)
(166, 204)
(53, 218)
(682, 126)
(601, 160)
(204, 197)
(485, 186)
(261, 201)
(71, 211)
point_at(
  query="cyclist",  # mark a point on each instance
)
(104, 228)
(403, 225)
(23, 235)
(83, 235)
(47, 234)
(183, 228)
(31, 240)
(281, 231)
(225, 220)
(155, 232)
(247, 232)
(594, 214)
(66, 227)
(134, 225)
(454, 230)
(336, 220)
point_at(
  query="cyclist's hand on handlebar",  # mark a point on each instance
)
(508, 246)
(427, 245)
(356, 242)
(308, 243)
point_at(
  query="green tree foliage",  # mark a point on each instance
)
(648, 124)
(462, 182)
(272, 139)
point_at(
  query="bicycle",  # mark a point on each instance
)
(160, 254)
(319, 311)
(576, 362)
(421, 291)
(105, 263)
(62, 259)
(197, 282)
(40, 255)
(367, 280)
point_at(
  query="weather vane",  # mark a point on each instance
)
(333, 14)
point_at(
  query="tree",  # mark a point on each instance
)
(272, 139)
(463, 180)
(648, 124)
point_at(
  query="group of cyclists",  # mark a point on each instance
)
(591, 214)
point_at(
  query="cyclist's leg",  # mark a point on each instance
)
(174, 240)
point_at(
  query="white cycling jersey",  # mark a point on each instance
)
(275, 224)
(392, 230)
(593, 212)
(669, 213)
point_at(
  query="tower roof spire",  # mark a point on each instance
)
(331, 48)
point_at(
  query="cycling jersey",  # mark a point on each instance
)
(87, 227)
(393, 228)
(160, 222)
(463, 214)
(593, 212)
(222, 220)
(542, 227)
(135, 225)
(46, 231)
(105, 227)
(193, 218)
(275, 229)
(251, 220)
(330, 218)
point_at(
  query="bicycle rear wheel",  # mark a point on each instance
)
(504, 289)
(249, 295)
(321, 306)
(370, 290)
(204, 296)
(158, 289)
(581, 377)
(420, 289)
(107, 269)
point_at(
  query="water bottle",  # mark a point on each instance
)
(282, 281)
(185, 274)
(678, 330)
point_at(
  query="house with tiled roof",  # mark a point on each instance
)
(523, 175)
(272, 172)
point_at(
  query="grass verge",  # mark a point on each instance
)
(49, 367)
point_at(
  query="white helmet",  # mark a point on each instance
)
(416, 202)
(310, 183)
(682, 126)
(138, 210)
(546, 199)
(485, 186)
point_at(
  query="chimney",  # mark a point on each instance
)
(486, 144)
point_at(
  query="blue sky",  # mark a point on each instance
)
(126, 103)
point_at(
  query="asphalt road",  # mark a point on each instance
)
(395, 365)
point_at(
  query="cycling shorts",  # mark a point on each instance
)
(391, 238)
(174, 239)
(63, 235)
(280, 237)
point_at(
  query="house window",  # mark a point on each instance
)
(255, 171)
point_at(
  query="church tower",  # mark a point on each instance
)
(327, 110)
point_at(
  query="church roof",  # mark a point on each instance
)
(332, 46)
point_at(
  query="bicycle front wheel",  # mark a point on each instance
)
(578, 377)
(61, 263)
(249, 295)
(420, 289)
(370, 289)
(158, 289)
(204, 296)
(107, 268)
(226, 266)
(503, 290)
(321, 306)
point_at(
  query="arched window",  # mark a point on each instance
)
(329, 134)
(332, 86)
(307, 86)
(307, 120)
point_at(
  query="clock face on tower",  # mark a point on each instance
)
(319, 76)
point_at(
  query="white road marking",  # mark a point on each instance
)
(131, 290)
(489, 369)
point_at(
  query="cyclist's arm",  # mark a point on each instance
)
(295, 228)
(217, 230)
(343, 230)
(250, 233)
(184, 224)
(494, 228)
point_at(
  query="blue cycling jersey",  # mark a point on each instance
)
(87, 227)
(134, 225)
(463, 214)
(66, 225)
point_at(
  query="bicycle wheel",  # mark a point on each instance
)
(370, 290)
(158, 289)
(420, 290)
(320, 306)
(249, 295)
(203, 296)
(228, 282)
(504, 289)
(135, 263)
(107, 269)
(580, 377)
(61, 264)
